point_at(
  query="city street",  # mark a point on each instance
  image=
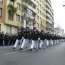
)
(37, 27)
(54, 55)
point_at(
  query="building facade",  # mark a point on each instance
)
(37, 14)
(41, 15)
(29, 13)
(34, 14)
(10, 18)
(1, 12)
(49, 17)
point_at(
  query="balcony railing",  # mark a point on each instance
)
(30, 16)
(30, 1)
(29, 6)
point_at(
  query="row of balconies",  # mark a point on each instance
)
(48, 1)
(49, 12)
(49, 17)
(50, 29)
(49, 21)
(29, 16)
(49, 25)
(29, 6)
(30, 1)
(49, 8)
(47, 5)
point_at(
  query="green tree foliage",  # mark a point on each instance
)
(12, 10)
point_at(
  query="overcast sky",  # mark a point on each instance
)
(59, 13)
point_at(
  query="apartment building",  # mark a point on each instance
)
(29, 13)
(10, 15)
(49, 17)
(1, 12)
(41, 15)
(37, 14)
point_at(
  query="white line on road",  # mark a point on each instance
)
(14, 52)
(10, 53)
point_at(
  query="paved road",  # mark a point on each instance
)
(50, 56)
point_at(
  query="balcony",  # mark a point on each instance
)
(29, 16)
(29, 6)
(48, 16)
(49, 12)
(49, 2)
(48, 21)
(34, 2)
(30, 1)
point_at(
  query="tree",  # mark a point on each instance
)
(13, 0)
(11, 9)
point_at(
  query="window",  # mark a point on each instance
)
(38, 25)
(8, 29)
(0, 12)
(38, 3)
(38, 11)
(17, 17)
(0, 1)
(41, 23)
(21, 19)
(18, 6)
(10, 17)
(40, 0)
(29, 12)
(38, 18)
(34, 0)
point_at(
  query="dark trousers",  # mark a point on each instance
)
(6, 42)
(1, 42)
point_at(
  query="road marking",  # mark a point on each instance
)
(10, 53)
(14, 52)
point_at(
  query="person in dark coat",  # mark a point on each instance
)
(14, 37)
(6, 39)
(2, 39)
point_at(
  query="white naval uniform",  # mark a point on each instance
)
(35, 44)
(17, 42)
(32, 44)
(47, 42)
(24, 43)
(41, 43)
(51, 41)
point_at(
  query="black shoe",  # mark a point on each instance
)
(20, 49)
(30, 49)
(14, 48)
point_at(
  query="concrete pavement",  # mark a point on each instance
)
(54, 55)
